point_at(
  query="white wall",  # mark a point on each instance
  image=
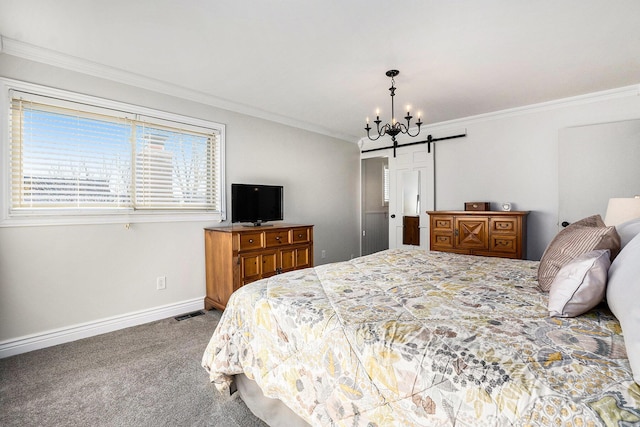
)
(57, 277)
(512, 156)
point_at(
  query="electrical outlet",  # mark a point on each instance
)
(323, 254)
(161, 283)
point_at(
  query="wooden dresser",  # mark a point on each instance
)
(237, 255)
(487, 233)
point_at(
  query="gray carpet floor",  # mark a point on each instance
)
(147, 375)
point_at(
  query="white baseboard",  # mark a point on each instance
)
(90, 329)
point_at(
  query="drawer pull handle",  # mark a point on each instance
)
(278, 238)
(250, 240)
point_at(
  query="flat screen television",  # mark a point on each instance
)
(256, 203)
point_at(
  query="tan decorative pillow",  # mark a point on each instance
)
(583, 236)
(580, 285)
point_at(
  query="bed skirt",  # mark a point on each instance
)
(271, 411)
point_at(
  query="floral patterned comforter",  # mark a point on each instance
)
(415, 338)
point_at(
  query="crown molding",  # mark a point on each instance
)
(72, 63)
(621, 92)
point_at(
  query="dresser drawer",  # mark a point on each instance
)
(504, 244)
(442, 223)
(276, 238)
(250, 241)
(301, 235)
(442, 240)
(508, 225)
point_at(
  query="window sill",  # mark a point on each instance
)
(120, 218)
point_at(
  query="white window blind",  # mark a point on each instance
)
(70, 156)
(174, 167)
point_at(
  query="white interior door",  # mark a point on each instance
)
(412, 192)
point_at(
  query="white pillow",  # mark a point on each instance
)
(628, 230)
(580, 285)
(623, 296)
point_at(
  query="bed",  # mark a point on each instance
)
(415, 338)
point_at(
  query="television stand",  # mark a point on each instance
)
(237, 255)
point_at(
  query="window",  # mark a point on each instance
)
(385, 185)
(74, 158)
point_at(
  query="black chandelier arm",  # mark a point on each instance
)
(402, 128)
(408, 117)
(386, 130)
(389, 130)
(418, 132)
(368, 128)
(374, 139)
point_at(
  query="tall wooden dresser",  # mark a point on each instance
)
(237, 255)
(487, 233)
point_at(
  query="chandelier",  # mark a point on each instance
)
(395, 127)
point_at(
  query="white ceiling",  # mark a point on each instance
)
(320, 64)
